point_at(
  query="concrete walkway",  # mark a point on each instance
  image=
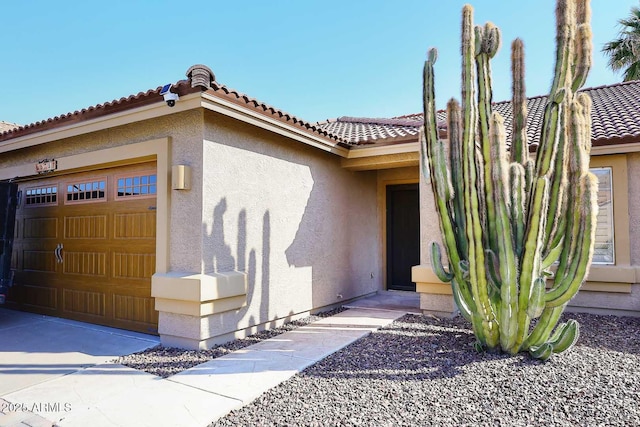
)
(115, 395)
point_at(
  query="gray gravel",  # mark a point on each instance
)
(167, 361)
(423, 371)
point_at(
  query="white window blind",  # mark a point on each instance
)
(604, 250)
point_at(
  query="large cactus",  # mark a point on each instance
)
(519, 234)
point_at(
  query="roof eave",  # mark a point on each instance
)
(239, 111)
(83, 123)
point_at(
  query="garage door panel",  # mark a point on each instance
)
(85, 263)
(78, 301)
(89, 254)
(40, 228)
(42, 261)
(134, 309)
(41, 297)
(135, 225)
(85, 227)
(133, 266)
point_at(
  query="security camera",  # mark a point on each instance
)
(169, 97)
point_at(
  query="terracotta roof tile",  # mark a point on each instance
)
(125, 103)
(615, 119)
(223, 91)
(200, 79)
(616, 114)
(363, 130)
(5, 126)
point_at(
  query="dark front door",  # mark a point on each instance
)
(403, 235)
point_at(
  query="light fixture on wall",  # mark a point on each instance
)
(180, 177)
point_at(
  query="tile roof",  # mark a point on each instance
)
(615, 119)
(240, 98)
(369, 130)
(200, 78)
(616, 114)
(7, 126)
(117, 105)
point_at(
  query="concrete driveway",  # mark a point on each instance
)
(35, 349)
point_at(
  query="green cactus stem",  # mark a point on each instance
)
(503, 218)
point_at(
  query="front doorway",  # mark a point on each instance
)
(403, 235)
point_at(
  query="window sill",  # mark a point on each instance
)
(611, 278)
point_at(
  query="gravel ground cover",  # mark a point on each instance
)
(422, 371)
(167, 361)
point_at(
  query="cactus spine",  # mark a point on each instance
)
(505, 218)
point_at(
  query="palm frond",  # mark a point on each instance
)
(624, 52)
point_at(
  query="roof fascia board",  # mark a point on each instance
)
(146, 112)
(410, 147)
(407, 147)
(600, 150)
(255, 118)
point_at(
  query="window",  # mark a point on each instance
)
(93, 190)
(604, 248)
(143, 185)
(41, 196)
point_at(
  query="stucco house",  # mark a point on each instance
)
(221, 215)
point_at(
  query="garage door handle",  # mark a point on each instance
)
(58, 253)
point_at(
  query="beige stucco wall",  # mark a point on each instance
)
(303, 229)
(429, 223)
(184, 128)
(184, 132)
(633, 162)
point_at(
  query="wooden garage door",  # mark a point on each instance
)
(85, 247)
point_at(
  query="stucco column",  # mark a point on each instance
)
(435, 296)
(187, 296)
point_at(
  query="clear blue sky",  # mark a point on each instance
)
(314, 59)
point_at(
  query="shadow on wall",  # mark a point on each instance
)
(217, 257)
(337, 236)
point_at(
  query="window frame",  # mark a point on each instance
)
(612, 213)
(86, 181)
(136, 174)
(25, 195)
(621, 271)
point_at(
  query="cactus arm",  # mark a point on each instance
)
(436, 263)
(584, 47)
(531, 255)
(507, 257)
(430, 146)
(557, 192)
(565, 39)
(454, 116)
(518, 192)
(570, 283)
(463, 300)
(537, 302)
(474, 227)
(567, 335)
(576, 256)
(485, 49)
(542, 352)
(553, 254)
(519, 143)
(542, 330)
